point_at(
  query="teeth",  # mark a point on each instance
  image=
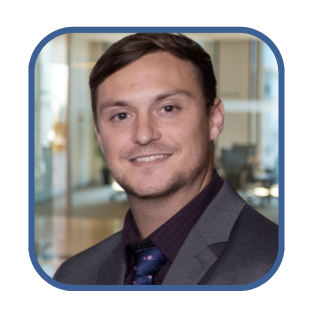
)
(151, 158)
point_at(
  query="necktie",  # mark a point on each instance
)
(149, 260)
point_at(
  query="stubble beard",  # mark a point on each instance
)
(173, 185)
(179, 180)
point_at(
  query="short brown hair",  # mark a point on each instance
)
(132, 47)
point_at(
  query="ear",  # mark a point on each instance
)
(98, 135)
(216, 119)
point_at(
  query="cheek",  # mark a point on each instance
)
(111, 152)
(108, 147)
(114, 148)
(196, 142)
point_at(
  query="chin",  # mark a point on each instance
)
(149, 191)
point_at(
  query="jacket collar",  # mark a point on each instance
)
(199, 251)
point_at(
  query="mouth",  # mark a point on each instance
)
(150, 158)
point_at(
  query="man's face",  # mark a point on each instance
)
(153, 127)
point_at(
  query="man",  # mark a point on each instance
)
(156, 116)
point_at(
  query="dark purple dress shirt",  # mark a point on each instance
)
(171, 235)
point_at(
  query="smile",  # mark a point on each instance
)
(150, 158)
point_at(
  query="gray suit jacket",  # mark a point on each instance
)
(231, 244)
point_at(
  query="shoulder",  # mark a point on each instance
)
(253, 230)
(250, 251)
(238, 222)
(253, 244)
(82, 269)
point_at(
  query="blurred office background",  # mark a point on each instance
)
(77, 203)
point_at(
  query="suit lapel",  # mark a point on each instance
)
(191, 263)
(198, 252)
(112, 270)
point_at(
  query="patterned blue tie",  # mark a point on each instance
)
(148, 261)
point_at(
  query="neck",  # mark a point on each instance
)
(151, 213)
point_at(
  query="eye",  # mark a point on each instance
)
(169, 108)
(120, 116)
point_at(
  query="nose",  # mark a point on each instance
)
(146, 130)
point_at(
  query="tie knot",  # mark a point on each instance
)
(148, 261)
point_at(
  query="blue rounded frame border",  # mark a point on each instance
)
(31, 195)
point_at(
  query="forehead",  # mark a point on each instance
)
(155, 71)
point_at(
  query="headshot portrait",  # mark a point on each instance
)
(156, 159)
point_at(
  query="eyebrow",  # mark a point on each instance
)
(172, 93)
(158, 98)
